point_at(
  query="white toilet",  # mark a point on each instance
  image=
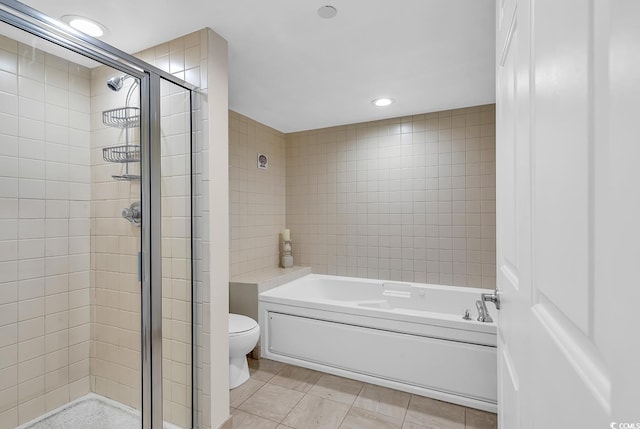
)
(244, 333)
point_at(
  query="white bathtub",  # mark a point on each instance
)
(405, 336)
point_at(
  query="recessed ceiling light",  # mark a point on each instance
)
(327, 12)
(85, 25)
(382, 101)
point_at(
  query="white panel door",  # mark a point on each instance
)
(618, 214)
(566, 362)
(568, 213)
(513, 208)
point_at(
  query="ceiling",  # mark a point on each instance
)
(292, 70)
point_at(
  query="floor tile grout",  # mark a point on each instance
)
(465, 418)
(343, 418)
(293, 408)
(406, 410)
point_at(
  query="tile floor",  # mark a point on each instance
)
(281, 396)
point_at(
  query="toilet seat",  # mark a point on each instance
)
(239, 324)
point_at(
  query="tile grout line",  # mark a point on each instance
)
(292, 408)
(269, 382)
(406, 411)
(328, 399)
(343, 418)
(465, 417)
(264, 383)
(248, 397)
(256, 391)
(333, 400)
(350, 406)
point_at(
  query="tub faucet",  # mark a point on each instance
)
(483, 313)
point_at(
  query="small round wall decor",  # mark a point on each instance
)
(263, 161)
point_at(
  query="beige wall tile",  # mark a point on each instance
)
(257, 196)
(115, 301)
(29, 410)
(51, 170)
(408, 199)
(9, 418)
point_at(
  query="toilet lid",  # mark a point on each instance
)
(239, 323)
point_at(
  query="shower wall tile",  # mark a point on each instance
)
(257, 197)
(115, 291)
(39, 181)
(176, 165)
(409, 199)
(115, 302)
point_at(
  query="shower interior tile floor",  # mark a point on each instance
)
(281, 396)
(90, 412)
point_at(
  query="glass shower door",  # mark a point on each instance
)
(70, 319)
(96, 314)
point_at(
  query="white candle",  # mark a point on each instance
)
(286, 235)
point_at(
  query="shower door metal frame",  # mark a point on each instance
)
(34, 22)
(151, 311)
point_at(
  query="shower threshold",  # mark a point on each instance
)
(90, 411)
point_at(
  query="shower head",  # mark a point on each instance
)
(115, 83)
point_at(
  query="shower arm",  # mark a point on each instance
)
(133, 86)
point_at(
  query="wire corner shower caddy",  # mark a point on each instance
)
(123, 118)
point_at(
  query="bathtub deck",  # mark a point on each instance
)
(285, 396)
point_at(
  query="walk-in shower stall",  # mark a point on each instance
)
(100, 307)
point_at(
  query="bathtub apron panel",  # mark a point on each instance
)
(447, 366)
